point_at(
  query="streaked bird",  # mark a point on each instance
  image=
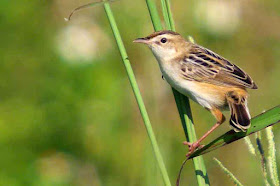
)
(205, 77)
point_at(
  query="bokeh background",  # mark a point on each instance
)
(68, 115)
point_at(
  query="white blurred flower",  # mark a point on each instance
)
(218, 16)
(81, 44)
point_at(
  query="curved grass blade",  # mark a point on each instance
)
(259, 122)
(89, 5)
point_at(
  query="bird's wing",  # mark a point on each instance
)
(203, 65)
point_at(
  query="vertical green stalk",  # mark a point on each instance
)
(183, 106)
(181, 101)
(169, 13)
(165, 16)
(137, 93)
(154, 14)
(184, 109)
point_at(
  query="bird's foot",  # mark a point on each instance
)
(192, 147)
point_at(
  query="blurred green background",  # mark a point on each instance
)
(68, 115)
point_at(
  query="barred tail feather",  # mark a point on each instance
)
(240, 116)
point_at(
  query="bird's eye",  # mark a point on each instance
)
(163, 40)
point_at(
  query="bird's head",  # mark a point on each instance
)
(164, 43)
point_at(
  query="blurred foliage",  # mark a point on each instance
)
(67, 113)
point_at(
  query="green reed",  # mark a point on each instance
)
(137, 93)
(184, 109)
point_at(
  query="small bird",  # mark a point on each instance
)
(203, 76)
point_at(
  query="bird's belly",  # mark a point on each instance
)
(207, 95)
(204, 94)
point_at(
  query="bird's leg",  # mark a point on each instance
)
(220, 119)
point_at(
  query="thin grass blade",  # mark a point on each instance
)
(169, 12)
(154, 15)
(165, 15)
(89, 5)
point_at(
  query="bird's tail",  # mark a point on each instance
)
(240, 116)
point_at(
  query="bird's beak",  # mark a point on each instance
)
(141, 40)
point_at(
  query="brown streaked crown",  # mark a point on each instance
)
(161, 33)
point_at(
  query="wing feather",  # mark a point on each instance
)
(203, 65)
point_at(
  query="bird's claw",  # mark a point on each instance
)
(192, 147)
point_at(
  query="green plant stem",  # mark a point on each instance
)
(154, 15)
(182, 101)
(137, 93)
(165, 14)
(259, 122)
(170, 17)
(183, 105)
(184, 109)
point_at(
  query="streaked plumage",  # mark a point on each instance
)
(204, 76)
(206, 66)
